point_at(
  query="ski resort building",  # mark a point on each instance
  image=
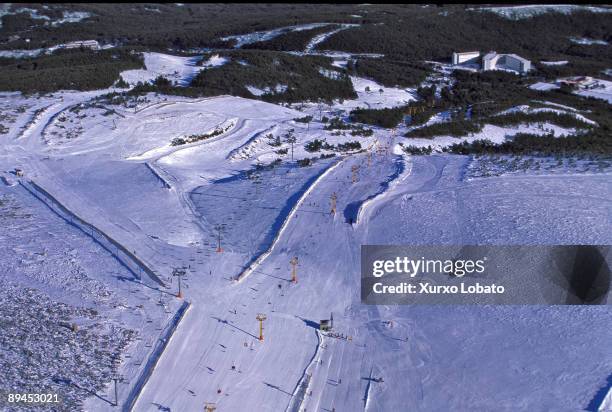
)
(494, 61)
(466, 57)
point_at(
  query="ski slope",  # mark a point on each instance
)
(116, 167)
(418, 354)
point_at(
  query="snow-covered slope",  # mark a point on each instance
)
(117, 168)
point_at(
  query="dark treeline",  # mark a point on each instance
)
(458, 128)
(595, 142)
(265, 69)
(69, 69)
(159, 26)
(576, 67)
(387, 118)
(486, 92)
(389, 72)
(422, 110)
(455, 128)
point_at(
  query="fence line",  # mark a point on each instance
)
(91, 230)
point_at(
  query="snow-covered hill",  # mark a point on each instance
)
(120, 168)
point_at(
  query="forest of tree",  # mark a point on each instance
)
(389, 72)
(596, 142)
(301, 75)
(387, 118)
(434, 33)
(70, 69)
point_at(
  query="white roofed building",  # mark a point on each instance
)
(491, 61)
(465, 57)
(495, 61)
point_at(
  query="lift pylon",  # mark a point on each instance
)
(294, 262)
(261, 317)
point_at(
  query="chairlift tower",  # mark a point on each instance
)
(117, 378)
(294, 262)
(261, 317)
(179, 273)
(219, 228)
